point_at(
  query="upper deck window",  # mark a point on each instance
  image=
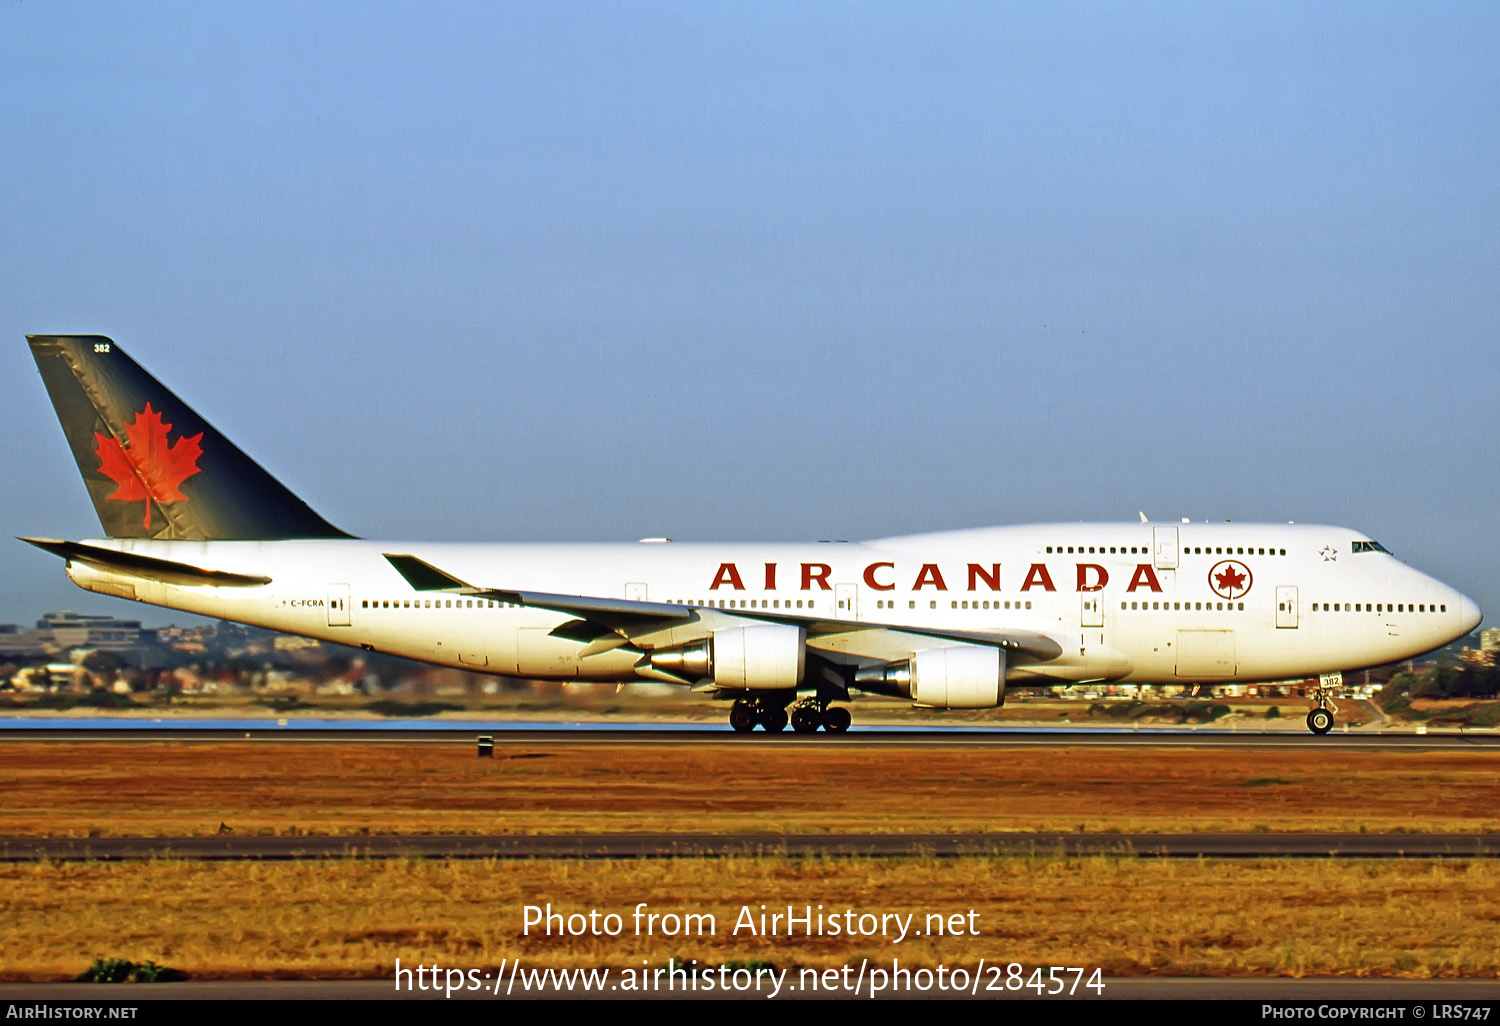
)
(1369, 546)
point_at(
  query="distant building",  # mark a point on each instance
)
(60, 632)
(16, 643)
(79, 630)
(1489, 639)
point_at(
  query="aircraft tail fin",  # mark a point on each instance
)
(153, 467)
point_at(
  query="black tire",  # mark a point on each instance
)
(1320, 721)
(774, 720)
(805, 720)
(741, 718)
(836, 719)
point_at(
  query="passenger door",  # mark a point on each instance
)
(338, 605)
(1286, 606)
(846, 601)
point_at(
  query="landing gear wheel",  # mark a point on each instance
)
(742, 717)
(836, 719)
(806, 719)
(774, 720)
(1320, 721)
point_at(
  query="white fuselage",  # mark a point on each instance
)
(1126, 602)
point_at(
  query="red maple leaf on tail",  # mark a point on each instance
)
(150, 469)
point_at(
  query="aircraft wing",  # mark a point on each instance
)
(630, 619)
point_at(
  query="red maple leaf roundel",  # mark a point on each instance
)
(150, 470)
(1229, 578)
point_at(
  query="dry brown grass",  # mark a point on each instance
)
(355, 918)
(179, 789)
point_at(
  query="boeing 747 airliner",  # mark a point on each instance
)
(946, 620)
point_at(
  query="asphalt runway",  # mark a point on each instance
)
(683, 735)
(229, 848)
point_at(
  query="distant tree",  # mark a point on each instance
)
(1439, 682)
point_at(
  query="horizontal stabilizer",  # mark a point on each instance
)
(151, 567)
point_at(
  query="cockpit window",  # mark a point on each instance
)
(1369, 546)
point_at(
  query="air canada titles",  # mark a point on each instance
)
(884, 576)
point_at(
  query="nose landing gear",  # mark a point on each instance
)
(1320, 720)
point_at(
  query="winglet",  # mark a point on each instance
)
(423, 576)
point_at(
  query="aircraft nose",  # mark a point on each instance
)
(1469, 613)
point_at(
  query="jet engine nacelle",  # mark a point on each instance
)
(762, 657)
(951, 677)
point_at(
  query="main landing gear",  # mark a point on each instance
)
(806, 716)
(810, 714)
(748, 713)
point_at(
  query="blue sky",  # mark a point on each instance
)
(593, 271)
